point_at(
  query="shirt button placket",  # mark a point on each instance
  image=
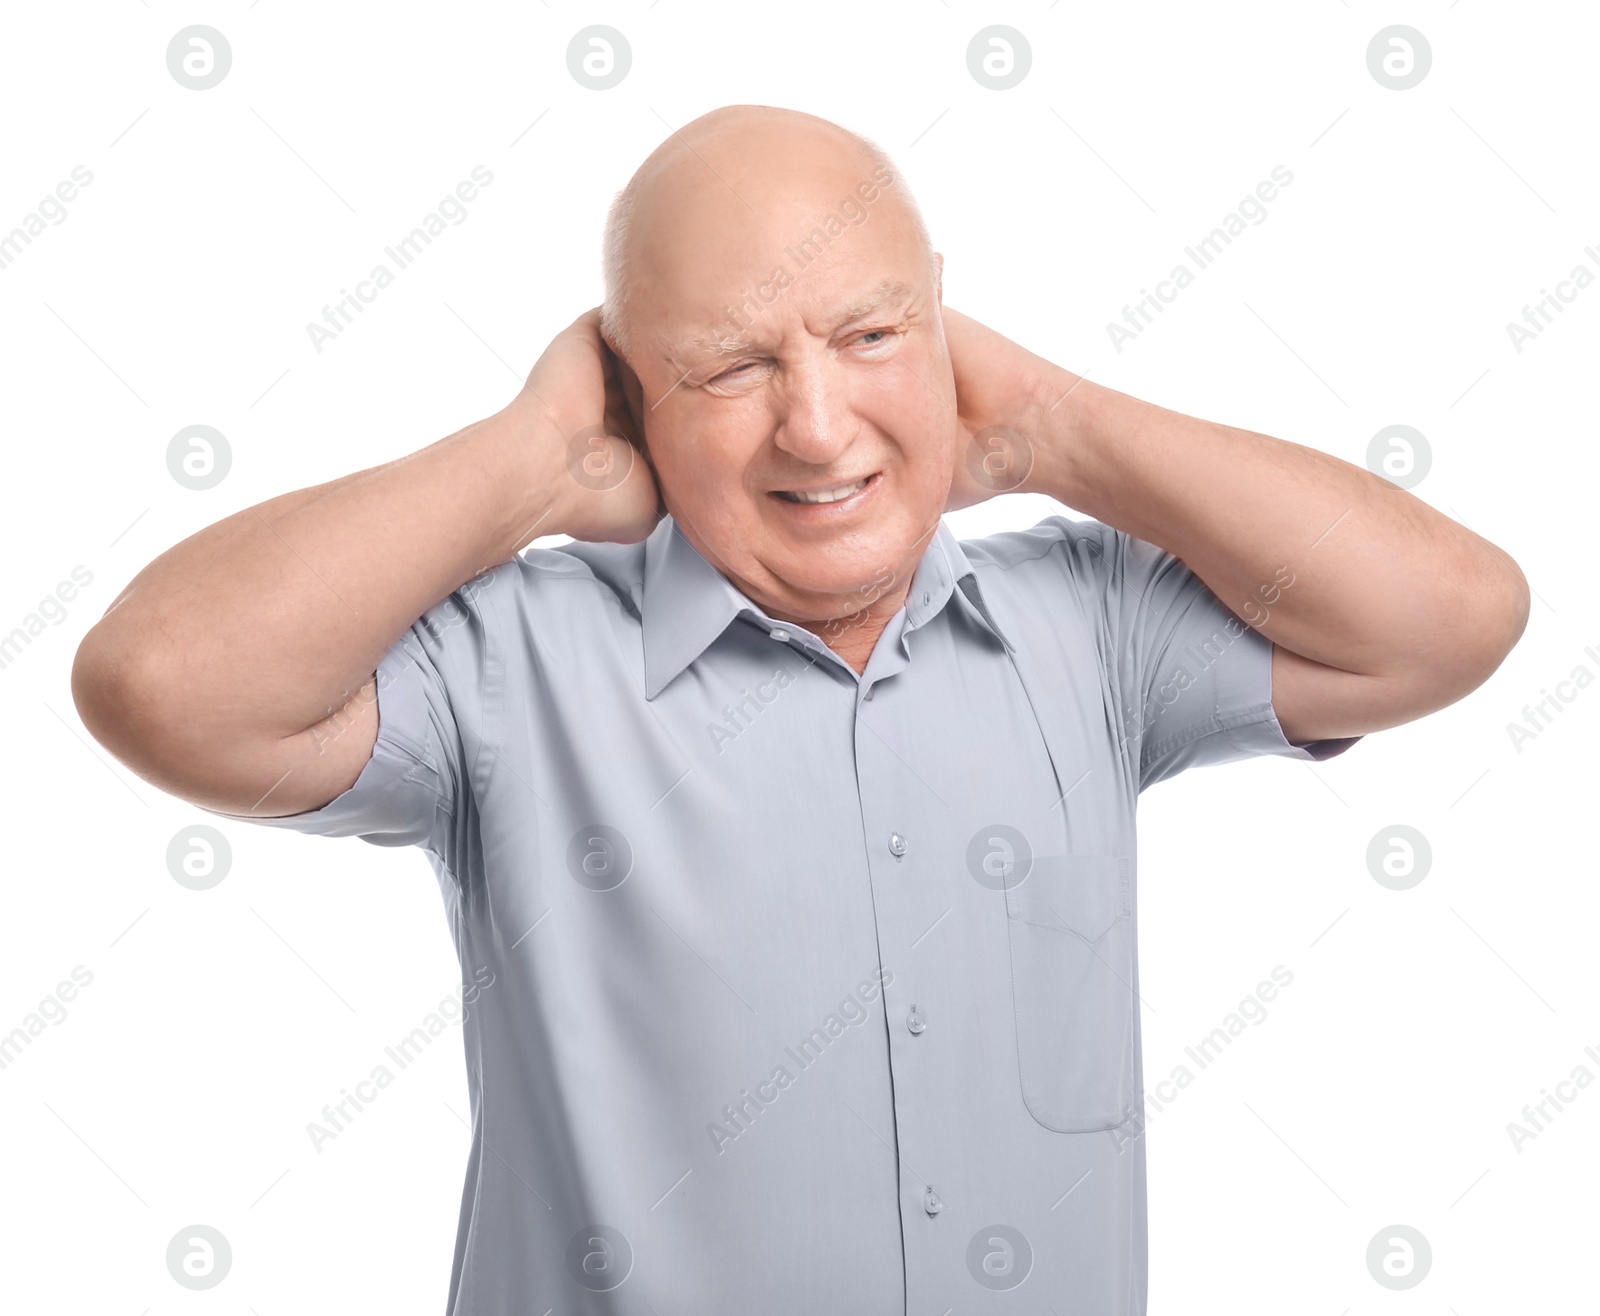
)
(890, 804)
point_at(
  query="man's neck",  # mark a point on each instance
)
(855, 635)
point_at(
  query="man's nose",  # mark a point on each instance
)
(812, 422)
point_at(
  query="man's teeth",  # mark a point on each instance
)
(827, 495)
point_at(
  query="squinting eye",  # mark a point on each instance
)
(881, 333)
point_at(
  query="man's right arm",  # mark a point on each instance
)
(237, 669)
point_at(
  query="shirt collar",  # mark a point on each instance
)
(687, 603)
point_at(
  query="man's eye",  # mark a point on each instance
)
(734, 373)
(873, 333)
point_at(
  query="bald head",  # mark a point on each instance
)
(792, 182)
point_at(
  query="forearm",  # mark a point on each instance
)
(264, 623)
(1323, 557)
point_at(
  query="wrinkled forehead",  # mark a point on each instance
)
(753, 252)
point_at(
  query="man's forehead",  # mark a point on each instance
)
(728, 338)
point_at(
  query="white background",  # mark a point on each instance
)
(1419, 1023)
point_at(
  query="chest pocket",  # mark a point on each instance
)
(1069, 915)
(1070, 920)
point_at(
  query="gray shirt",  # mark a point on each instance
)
(797, 990)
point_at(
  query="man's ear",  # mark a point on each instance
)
(633, 396)
(628, 384)
(632, 389)
(633, 399)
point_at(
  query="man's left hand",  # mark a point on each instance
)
(1006, 421)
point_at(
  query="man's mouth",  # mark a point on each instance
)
(833, 494)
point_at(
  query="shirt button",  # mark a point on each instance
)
(779, 634)
(930, 1202)
(897, 843)
(915, 1022)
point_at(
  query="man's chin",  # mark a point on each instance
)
(834, 580)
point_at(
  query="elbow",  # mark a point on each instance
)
(1490, 613)
(1471, 622)
(110, 689)
(93, 673)
(1506, 606)
(1520, 607)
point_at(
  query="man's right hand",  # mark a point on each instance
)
(269, 706)
(599, 473)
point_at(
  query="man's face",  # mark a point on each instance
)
(840, 377)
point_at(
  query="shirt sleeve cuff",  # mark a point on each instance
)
(395, 799)
(1263, 733)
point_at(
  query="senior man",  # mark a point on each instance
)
(797, 836)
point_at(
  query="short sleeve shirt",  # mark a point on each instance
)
(807, 990)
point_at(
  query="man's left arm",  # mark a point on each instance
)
(1393, 610)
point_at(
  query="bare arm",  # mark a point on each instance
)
(1380, 609)
(218, 673)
